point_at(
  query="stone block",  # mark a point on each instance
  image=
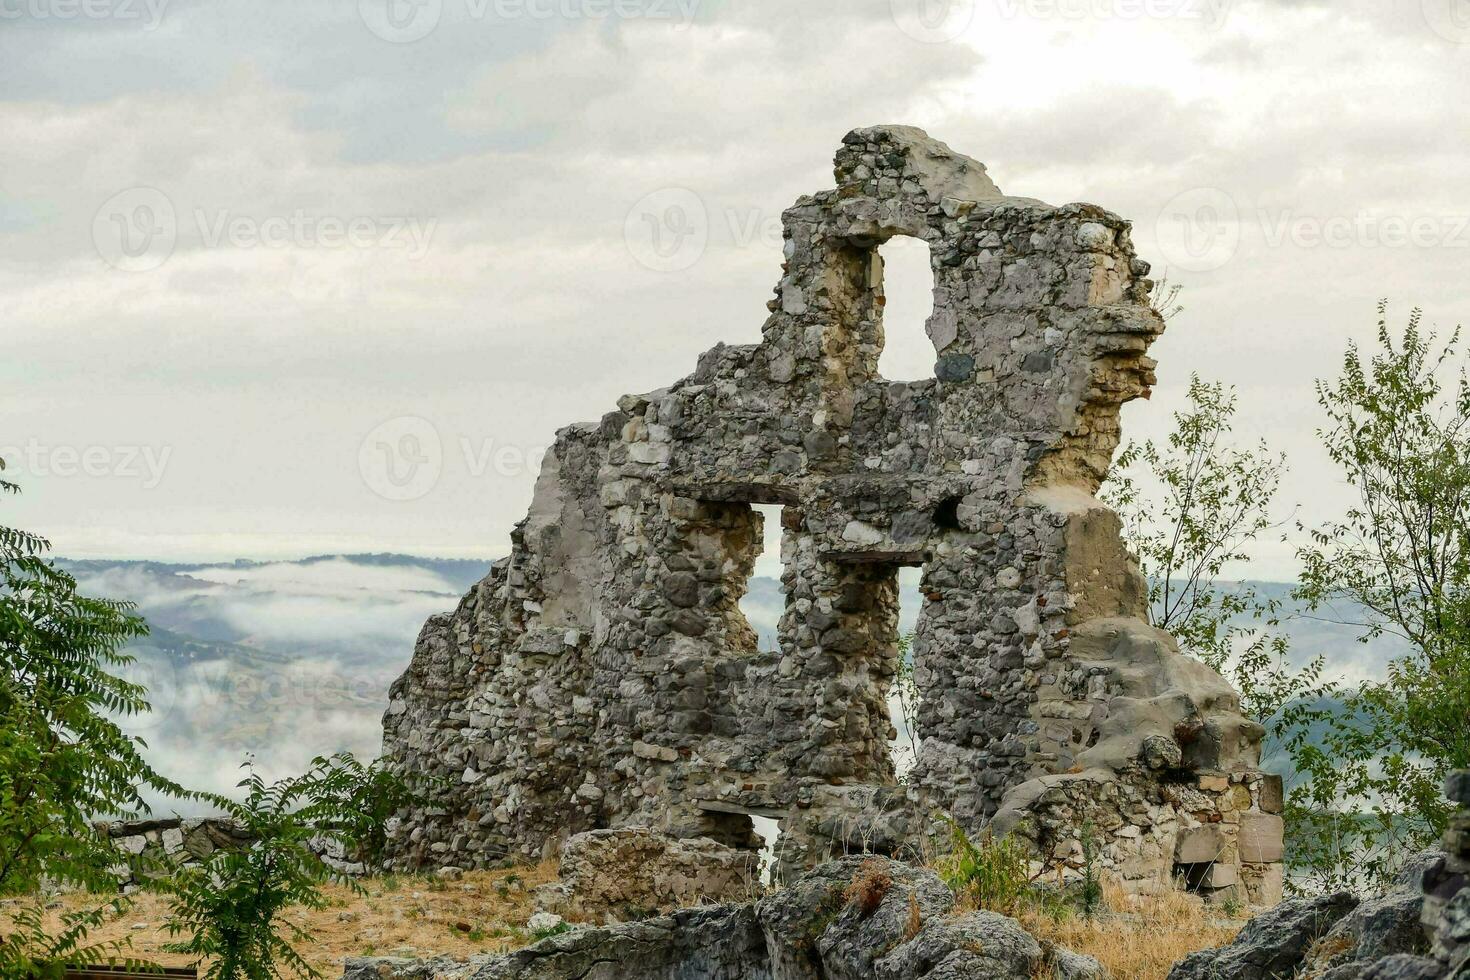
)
(1214, 783)
(1220, 876)
(1199, 845)
(1261, 838)
(1272, 796)
(1265, 884)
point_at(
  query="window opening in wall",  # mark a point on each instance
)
(903, 694)
(908, 289)
(764, 599)
(769, 831)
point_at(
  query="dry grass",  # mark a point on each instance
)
(1138, 937)
(485, 912)
(868, 886)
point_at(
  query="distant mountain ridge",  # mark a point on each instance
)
(285, 660)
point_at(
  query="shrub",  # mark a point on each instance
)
(231, 904)
(993, 873)
(63, 758)
(367, 796)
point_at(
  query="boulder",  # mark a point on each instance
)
(857, 918)
(1382, 925)
(1274, 944)
(611, 876)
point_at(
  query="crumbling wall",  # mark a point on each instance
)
(603, 676)
(150, 848)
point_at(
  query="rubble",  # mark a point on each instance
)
(611, 876)
(857, 918)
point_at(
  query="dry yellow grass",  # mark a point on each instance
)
(1138, 937)
(485, 912)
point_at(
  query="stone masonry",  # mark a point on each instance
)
(1446, 914)
(151, 847)
(603, 676)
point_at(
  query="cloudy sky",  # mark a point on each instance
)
(279, 277)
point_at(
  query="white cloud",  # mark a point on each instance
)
(262, 368)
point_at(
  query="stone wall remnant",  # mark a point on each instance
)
(603, 676)
(1418, 929)
(610, 876)
(153, 846)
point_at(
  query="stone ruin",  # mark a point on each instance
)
(155, 846)
(603, 675)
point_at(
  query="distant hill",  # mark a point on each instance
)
(281, 660)
(290, 659)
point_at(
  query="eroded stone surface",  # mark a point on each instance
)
(858, 918)
(1272, 945)
(609, 876)
(603, 675)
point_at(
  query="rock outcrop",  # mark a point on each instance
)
(611, 876)
(603, 676)
(858, 918)
(1272, 945)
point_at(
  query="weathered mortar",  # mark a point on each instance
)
(603, 675)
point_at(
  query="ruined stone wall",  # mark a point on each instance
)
(603, 675)
(1446, 913)
(149, 848)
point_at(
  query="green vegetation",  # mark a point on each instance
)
(908, 702)
(1367, 759)
(991, 873)
(65, 761)
(1399, 431)
(231, 904)
(63, 758)
(366, 797)
(1203, 503)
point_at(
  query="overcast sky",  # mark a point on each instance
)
(257, 257)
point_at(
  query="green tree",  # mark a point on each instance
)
(1398, 563)
(1190, 507)
(368, 796)
(64, 760)
(231, 905)
(907, 691)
